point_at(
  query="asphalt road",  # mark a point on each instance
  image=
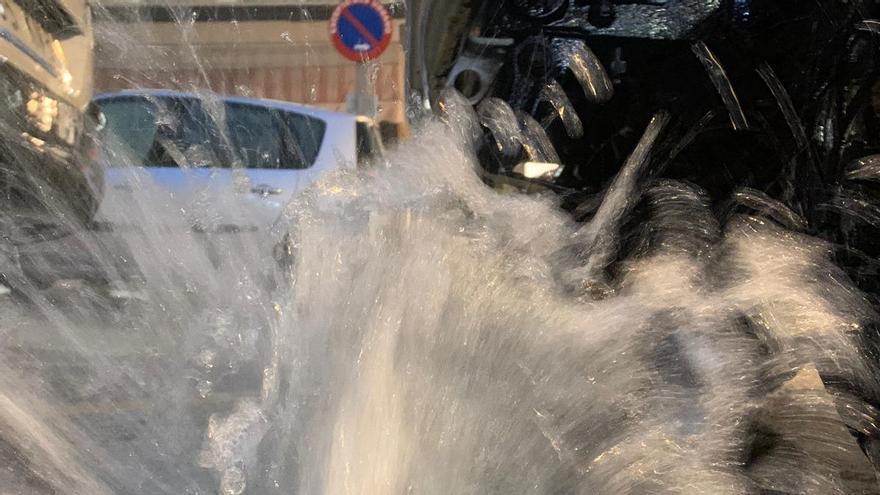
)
(120, 344)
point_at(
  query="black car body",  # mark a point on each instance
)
(774, 96)
(770, 107)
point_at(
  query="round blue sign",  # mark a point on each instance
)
(361, 29)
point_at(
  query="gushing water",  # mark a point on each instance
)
(429, 335)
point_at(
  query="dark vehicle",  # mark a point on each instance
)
(763, 107)
(772, 97)
(48, 173)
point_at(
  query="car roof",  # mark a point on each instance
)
(264, 102)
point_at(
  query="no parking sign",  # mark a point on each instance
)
(360, 29)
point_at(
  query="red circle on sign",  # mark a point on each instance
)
(358, 55)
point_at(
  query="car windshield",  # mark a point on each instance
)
(172, 131)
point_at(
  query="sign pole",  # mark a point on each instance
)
(361, 30)
(365, 92)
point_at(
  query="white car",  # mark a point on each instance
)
(224, 162)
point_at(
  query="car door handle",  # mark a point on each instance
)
(266, 190)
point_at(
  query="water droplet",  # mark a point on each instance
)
(233, 481)
(244, 90)
(204, 388)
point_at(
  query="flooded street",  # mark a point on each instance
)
(369, 248)
(432, 336)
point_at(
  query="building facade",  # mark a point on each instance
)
(280, 50)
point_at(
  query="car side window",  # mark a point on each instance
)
(253, 133)
(263, 137)
(172, 131)
(158, 132)
(130, 130)
(185, 135)
(303, 136)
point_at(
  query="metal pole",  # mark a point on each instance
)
(364, 93)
